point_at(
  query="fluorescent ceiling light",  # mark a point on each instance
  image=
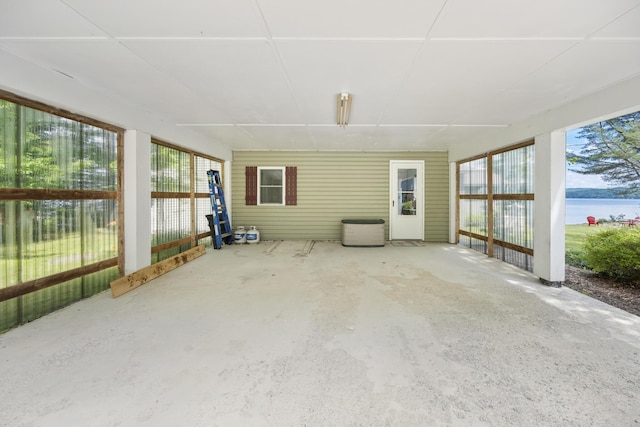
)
(344, 107)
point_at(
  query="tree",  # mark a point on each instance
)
(40, 150)
(612, 151)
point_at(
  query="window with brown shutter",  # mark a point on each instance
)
(278, 186)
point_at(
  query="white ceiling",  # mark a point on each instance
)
(264, 74)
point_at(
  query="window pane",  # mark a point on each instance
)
(513, 222)
(54, 152)
(202, 165)
(271, 195)
(513, 171)
(56, 235)
(271, 185)
(473, 216)
(475, 244)
(170, 169)
(170, 220)
(9, 145)
(203, 208)
(270, 177)
(473, 177)
(514, 257)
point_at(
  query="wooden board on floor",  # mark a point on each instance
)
(126, 283)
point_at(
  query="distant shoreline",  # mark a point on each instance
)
(599, 193)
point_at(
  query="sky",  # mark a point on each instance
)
(574, 179)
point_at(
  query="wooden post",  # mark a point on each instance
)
(125, 284)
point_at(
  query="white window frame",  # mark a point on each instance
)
(282, 170)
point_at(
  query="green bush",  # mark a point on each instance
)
(575, 258)
(614, 253)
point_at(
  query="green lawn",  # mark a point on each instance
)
(47, 257)
(575, 236)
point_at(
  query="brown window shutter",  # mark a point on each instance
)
(251, 185)
(291, 198)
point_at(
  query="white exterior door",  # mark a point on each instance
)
(406, 214)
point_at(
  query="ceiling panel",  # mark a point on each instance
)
(499, 110)
(276, 138)
(378, 138)
(43, 18)
(369, 70)
(243, 78)
(452, 77)
(527, 19)
(348, 19)
(108, 66)
(626, 26)
(348, 138)
(410, 137)
(583, 70)
(83, 60)
(169, 18)
(223, 134)
(463, 135)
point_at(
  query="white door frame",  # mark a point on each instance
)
(406, 227)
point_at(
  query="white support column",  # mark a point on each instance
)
(453, 186)
(137, 201)
(549, 208)
(228, 194)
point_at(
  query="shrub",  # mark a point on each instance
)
(575, 259)
(614, 253)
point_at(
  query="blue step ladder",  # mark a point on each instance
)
(218, 219)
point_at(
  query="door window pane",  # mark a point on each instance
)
(407, 191)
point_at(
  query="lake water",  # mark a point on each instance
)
(577, 210)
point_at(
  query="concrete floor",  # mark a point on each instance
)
(290, 334)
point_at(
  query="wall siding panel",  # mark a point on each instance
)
(336, 185)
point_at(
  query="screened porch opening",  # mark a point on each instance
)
(495, 209)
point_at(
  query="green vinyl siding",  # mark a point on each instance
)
(337, 185)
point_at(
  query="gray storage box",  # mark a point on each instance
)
(363, 232)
